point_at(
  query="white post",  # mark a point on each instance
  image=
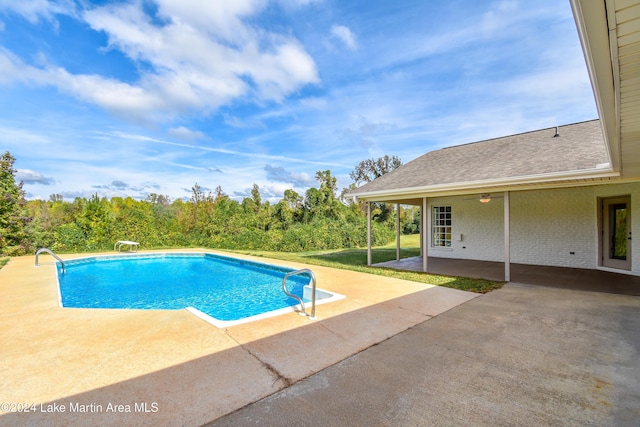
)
(425, 234)
(421, 231)
(397, 231)
(368, 233)
(507, 239)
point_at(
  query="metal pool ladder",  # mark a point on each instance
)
(296, 297)
(49, 251)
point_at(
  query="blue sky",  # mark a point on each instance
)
(127, 98)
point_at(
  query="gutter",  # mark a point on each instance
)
(461, 187)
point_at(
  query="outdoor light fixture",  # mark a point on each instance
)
(485, 198)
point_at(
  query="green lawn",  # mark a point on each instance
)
(4, 261)
(356, 259)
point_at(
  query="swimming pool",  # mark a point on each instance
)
(223, 291)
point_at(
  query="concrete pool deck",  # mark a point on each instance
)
(522, 355)
(155, 367)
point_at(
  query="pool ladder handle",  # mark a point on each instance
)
(49, 251)
(296, 297)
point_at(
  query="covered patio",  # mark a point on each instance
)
(541, 197)
(540, 275)
(566, 197)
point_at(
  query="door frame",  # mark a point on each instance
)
(604, 226)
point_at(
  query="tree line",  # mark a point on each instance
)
(318, 219)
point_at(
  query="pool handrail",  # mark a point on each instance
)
(313, 293)
(49, 251)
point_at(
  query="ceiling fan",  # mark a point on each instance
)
(486, 197)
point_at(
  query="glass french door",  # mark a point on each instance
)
(616, 233)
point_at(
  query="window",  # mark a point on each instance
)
(441, 220)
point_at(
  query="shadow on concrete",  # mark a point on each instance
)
(207, 388)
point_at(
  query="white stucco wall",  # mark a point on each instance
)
(557, 227)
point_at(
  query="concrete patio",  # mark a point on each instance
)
(520, 356)
(562, 277)
(169, 367)
(562, 351)
(392, 353)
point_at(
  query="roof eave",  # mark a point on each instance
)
(531, 181)
(593, 31)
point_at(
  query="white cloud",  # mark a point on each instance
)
(186, 134)
(31, 177)
(314, 103)
(239, 123)
(497, 16)
(293, 4)
(204, 55)
(345, 35)
(223, 18)
(366, 133)
(549, 84)
(245, 154)
(34, 10)
(279, 174)
(118, 97)
(10, 135)
(13, 69)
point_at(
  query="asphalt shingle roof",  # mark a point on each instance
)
(579, 146)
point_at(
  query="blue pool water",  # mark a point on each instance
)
(224, 288)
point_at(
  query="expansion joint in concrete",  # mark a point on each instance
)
(269, 367)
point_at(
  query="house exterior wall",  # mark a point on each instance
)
(480, 224)
(555, 227)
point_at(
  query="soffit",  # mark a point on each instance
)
(624, 30)
(609, 31)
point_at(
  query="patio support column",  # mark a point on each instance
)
(421, 227)
(397, 231)
(507, 239)
(424, 224)
(368, 233)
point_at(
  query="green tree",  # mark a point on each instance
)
(208, 219)
(322, 201)
(135, 220)
(196, 213)
(13, 213)
(289, 210)
(96, 223)
(367, 171)
(158, 199)
(255, 196)
(370, 169)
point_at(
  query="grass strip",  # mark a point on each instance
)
(356, 260)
